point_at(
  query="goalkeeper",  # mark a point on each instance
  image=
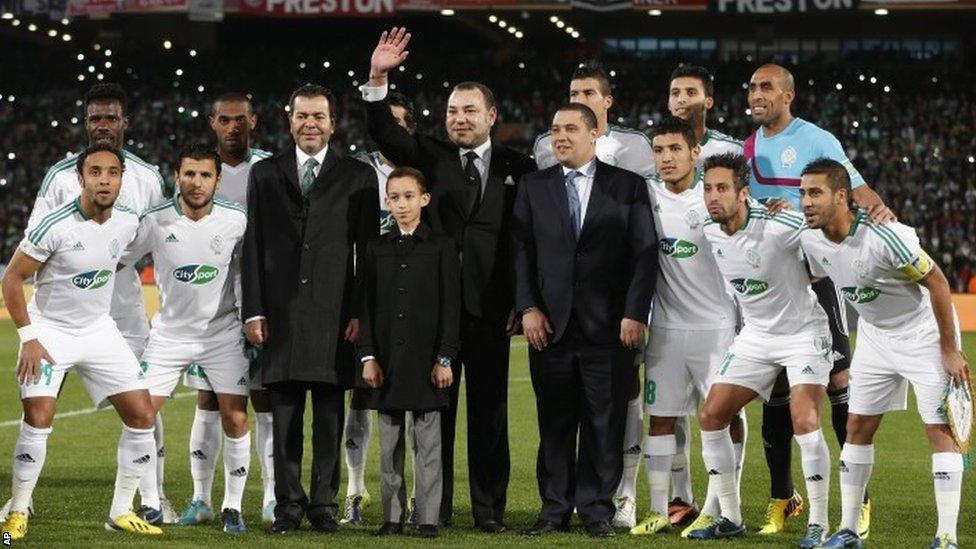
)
(906, 333)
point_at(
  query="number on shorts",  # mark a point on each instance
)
(650, 391)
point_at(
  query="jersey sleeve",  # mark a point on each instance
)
(645, 155)
(831, 148)
(40, 242)
(899, 248)
(806, 243)
(49, 197)
(542, 150)
(156, 186)
(790, 227)
(141, 244)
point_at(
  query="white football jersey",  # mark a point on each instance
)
(233, 179)
(690, 291)
(195, 264)
(622, 147)
(74, 286)
(142, 186)
(383, 171)
(876, 269)
(714, 143)
(763, 264)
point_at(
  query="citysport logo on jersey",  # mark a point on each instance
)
(92, 280)
(749, 286)
(864, 294)
(196, 274)
(678, 249)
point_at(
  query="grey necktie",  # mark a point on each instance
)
(308, 178)
(572, 194)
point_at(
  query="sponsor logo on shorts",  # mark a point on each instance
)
(808, 370)
(196, 274)
(749, 286)
(677, 248)
(242, 381)
(92, 280)
(862, 294)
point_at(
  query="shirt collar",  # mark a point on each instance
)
(588, 169)
(421, 231)
(481, 150)
(303, 158)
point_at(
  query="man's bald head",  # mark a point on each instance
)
(779, 72)
(771, 91)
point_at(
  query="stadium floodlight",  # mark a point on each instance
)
(560, 24)
(881, 11)
(167, 45)
(91, 68)
(512, 30)
(447, 12)
(181, 110)
(65, 21)
(52, 33)
(553, 19)
(493, 18)
(3, 181)
(193, 53)
(11, 156)
(108, 64)
(502, 23)
(179, 72)
(195, 114)
(74, 119)
(521, 65)
(519, 35)
(54, 123)
(8, 15)
(874, 80)
(302, 65)
(66, 37)
(96, 46)
(972, 159)
(576, 35)
(570, 30)
(887, 89)
(654, 13)
(108, 53)
(100, 76)
(200, 88)
(326, 64)
(32, 27)
(426, 112)
(351, 73)
(613, 74)
(839, 86)
(15, 22)
(80, 57)
(81, 77)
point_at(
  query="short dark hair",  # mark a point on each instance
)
(407, 171)
(735, 162)
(398, 99)
(673, 124)
(695, 71)
(97, 148)
(837, 175)
(198, 151)
(485, 91)
(108, 91)
(593, 69)
(314, 90)
(231, 97)
(589, 117)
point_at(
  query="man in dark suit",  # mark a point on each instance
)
(308, 209)
(472, 195)
(586, 262)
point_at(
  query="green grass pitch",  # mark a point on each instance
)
(73, 494)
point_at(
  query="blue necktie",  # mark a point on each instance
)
(572, 194)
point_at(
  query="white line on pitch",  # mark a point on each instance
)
(83, 411)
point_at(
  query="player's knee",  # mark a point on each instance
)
(805, 421)
(234, 423)
(39, 415)
(860, 429)
(712, 419)
(661, 426)
(940, 438)
(142, 417)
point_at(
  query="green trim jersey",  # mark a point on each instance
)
(876, 269)
(74, 286)
(622, 147)
(714, 143)
(233, 179)
(763, 264)
(195, 264)
(142, 186)
(690, 292)
(383, 171)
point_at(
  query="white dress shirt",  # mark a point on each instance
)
(484, 157)
(303, 158)
(584, 185)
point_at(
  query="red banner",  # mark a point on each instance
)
(317, 8)
(89, 7)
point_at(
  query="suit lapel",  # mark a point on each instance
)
(329, 162)
(557, 189)
(288, 163)
(494, 188)
(598, 197)
(459, 195)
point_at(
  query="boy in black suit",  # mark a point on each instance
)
(408, 337)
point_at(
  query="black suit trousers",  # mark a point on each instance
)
(581, 391)
(288, 413)
(484, 356)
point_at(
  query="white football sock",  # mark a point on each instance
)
(136, 457)
(29, 455)
(681, 465)
(264, 446)
(947, 470)
(160, 455)
(659, 453)
(237, 461)
(149, 486)
(633, 432)
(815, 457)
(719, 459)
(856, 462)
(205, 437)
(358, 427)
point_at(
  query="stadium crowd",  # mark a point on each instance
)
(908, 125)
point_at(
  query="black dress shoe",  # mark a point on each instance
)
(325, 524)
(491, 527)
(283, 525)
(428, 530)
(544, 527)
(389, 529)
(600, 529)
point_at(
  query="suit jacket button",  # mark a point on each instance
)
(401, 316)
(402, 290)
(305, 246)
(403, 265)
(304, 281)
(400, 341)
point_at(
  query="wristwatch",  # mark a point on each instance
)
(444, 361)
